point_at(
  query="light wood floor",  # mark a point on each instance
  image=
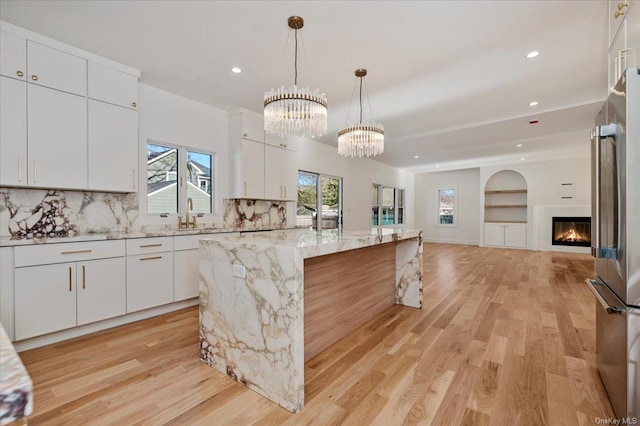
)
(506, 337)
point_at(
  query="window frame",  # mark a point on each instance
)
(454, 222)
(396, 205)
(181, 172)
(319, 177)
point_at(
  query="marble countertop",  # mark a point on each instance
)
(16, 388)
(310, 243)
(9, 242)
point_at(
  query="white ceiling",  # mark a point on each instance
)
(448, 79)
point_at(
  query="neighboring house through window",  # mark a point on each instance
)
(175, 173)
(447, 207)
(387, 205)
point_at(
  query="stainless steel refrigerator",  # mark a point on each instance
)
(615, 236)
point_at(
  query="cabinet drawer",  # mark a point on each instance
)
(149, 245)
(67, 252)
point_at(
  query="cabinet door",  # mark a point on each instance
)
(290, 143)
(113, 147)
(280, 173)
(56, 69)
(112, 86)
(617, 58)
(13, 56)
(252, 169)
(45, 299)
(493, 234)
(633, 32)
(252, 128)
(185, 274)
(101, 289)
(515, 235)
(149, 281)
(13, 132)
(57, 149)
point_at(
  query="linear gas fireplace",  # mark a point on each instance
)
(571, 231)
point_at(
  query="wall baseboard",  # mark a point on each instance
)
(445, 241)
(59, 336)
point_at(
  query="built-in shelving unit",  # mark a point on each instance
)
(505, 210)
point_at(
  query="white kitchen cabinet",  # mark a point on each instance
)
(247, 124)
(112, 148)
(53, 68)
(13, 56)
(57, 144)
(280, 174)
(101, 290)
(624, 38)
(112, 86)
(149, 273)
(505, 234)
(185, 274)
(45, 299)
(248, 179)
(13, 132)
(59, 286)
(290, 143)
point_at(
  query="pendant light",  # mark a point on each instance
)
(295, 111)
(361, 139)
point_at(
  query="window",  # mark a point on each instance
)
(387, 205)
(174, 174)
(319, 193)
(447, 208)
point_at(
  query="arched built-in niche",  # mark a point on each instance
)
(505, 209)
(505, 198)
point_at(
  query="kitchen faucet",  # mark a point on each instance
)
(187, 223)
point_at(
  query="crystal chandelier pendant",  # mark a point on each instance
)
(295, 111)
(361, 139)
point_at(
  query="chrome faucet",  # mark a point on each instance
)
(187, 223)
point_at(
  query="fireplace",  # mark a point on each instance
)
(571, 231)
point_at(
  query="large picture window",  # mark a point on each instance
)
(319, 193)
(447, 207)
(176, 173)
(387, 205)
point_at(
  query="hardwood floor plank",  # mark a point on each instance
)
(505, 337)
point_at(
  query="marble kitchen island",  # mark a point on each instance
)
(270, 301)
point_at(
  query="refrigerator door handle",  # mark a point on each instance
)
(598, 134)
(607, 307)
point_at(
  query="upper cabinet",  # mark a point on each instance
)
(53, 68)
(13, 56)
(624, 38)
(260, 168)
(69, 118)
(112, 86)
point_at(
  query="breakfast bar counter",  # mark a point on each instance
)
(270, 301)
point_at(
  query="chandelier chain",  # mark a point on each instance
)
(295, 61)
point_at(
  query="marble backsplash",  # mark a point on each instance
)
(37, 213)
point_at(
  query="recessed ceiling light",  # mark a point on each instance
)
(534, 103)
(519, 145)
(416, 156)
(522, 158)
(236, 70)
(534, 121)
(532, 54)
(437, 167)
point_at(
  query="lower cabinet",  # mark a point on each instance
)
(58, 296)
(185, 274)
(149, 272)
(505, 234)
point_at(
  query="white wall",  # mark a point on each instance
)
(358, 174)
(467, 183)
(169, 118)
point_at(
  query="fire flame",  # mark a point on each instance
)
(572, 236)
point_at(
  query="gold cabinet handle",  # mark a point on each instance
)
(34, 77)
(19, 168)
(84, 278)
(622, 5)
(285, 191)
(35, 171)
(19, 73)
(70, 288)
(133, 173)
(133, 104)
(244, 135)
(150, 258)
(151, 245)
(618, 14)
(244, 192)
(75, 251)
